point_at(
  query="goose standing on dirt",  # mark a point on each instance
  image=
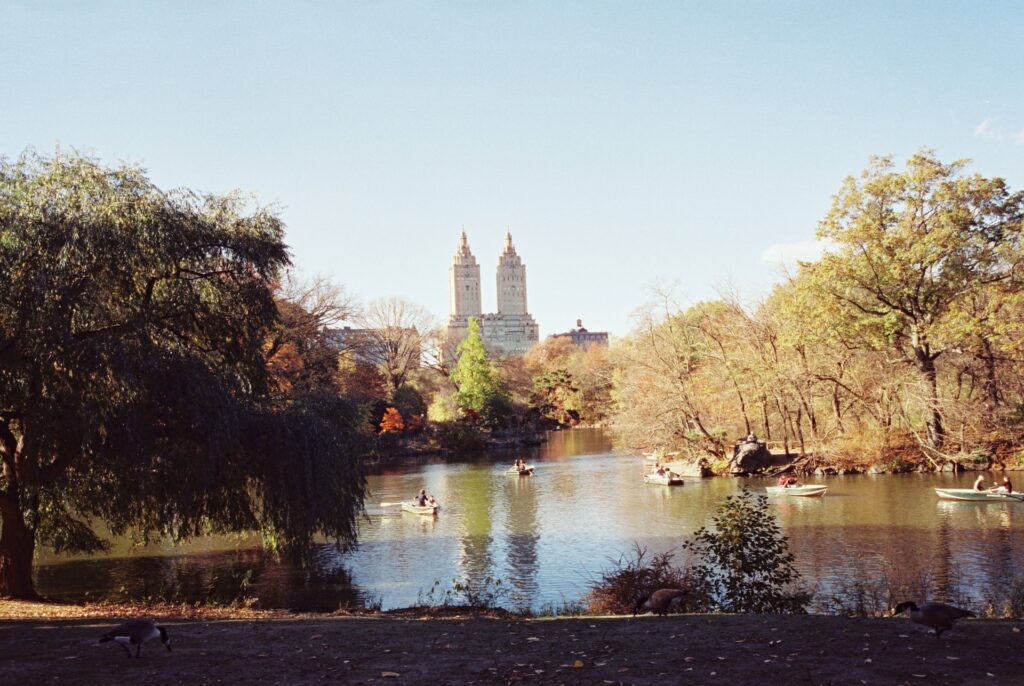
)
(658, 602)
(136, 632)
(938, 616)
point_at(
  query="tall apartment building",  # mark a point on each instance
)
(509, 331)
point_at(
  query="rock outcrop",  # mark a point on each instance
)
(750, 457)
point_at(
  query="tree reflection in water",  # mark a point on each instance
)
(244, 577)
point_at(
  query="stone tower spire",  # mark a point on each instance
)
(464, 281)
(511, 280)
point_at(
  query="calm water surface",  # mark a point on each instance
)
(548, 535)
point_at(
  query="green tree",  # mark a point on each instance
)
(134, 386)
(911, 247)
(473, 375)
(744, 563)
(555, 395)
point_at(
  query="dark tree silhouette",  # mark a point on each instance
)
(134, 386)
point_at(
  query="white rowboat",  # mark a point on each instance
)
(978, 496)
(808, 491)
(521, 472)
(413, 508)
(663, 479)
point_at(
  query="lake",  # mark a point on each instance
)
(548, 535)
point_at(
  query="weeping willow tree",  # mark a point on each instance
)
(134, 387)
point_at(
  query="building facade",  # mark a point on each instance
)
(583, 338)
(509, 331)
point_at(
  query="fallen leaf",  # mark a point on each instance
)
(390, 675)
(577, 664)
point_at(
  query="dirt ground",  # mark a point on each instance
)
(688, 649)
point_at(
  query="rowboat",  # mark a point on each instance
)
(413, 508)
(808, 491)
(978, 496)
(663, 479)
(528, 471)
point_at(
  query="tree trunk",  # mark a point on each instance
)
(936, 431)
(784, 415)
(764, 419)
(17, 545)
(837, 409)
(991, 385)
(800, 429)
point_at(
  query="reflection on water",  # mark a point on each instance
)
(242, 577)
(547, 535)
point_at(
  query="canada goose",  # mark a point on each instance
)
(658, 602)
(136, 632)
(938, 616)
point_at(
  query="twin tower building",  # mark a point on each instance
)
(509, 331)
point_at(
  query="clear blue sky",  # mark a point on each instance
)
(625, 143)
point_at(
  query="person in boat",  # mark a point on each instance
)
(979, 483)
(787, 480)
(421, 499)
(1005, 487)
(431, 502)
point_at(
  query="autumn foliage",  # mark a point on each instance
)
(392, 421)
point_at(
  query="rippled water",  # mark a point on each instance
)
(548, 535)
